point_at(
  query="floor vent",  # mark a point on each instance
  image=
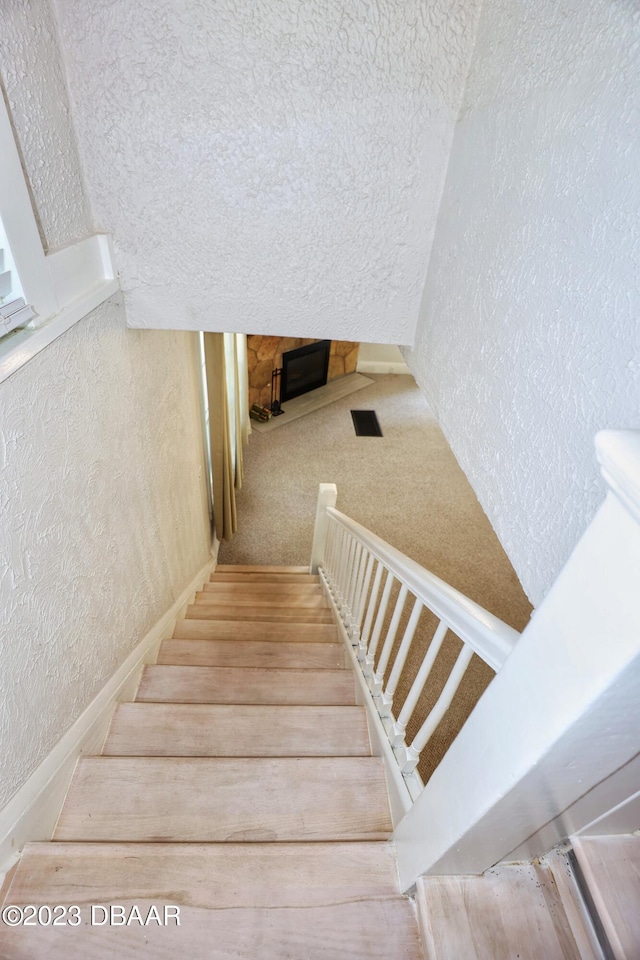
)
(365, 423)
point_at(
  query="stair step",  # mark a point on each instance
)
(510, 911)
(246, 685)
(221, 599)
(269, 901)
(278, 591)
(222, 875)
(218, 730)
(206, 611)
(259, 568)
(277, 579)
(211, 800)
(611, 868)
(253, 653)
(206, 629)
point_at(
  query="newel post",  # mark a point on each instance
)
(327, 496)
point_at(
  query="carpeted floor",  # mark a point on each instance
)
(406, 487)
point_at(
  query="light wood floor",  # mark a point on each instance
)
(239, 787)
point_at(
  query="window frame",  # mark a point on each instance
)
(62, 286)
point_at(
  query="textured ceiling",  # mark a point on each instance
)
(273, 167)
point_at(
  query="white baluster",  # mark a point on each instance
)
(362, 599)
(347, 543)
(355, 600)
(333, 548)
(350, 581)
(371, 609)
(397, 734)
(377, 685)
(386, 698)
(408, 757)
(377, 630)
(336, 558)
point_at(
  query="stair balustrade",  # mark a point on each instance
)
(547, 748)
(376, 589)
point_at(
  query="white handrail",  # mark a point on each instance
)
(491, 638)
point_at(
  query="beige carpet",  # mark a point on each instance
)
(405, 486)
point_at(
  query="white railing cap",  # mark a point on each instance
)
(618, 453)
(491, 638)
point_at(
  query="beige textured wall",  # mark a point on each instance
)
(103, 515)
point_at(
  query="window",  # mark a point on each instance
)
(57, 289)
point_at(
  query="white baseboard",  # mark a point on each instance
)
(33, 811)
(379, 366)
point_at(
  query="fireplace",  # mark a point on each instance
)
(304, 369)
(265, 353)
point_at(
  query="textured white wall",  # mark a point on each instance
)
(268, 166)
(529, 337)
(103, 516)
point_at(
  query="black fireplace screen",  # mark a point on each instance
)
(304, 369)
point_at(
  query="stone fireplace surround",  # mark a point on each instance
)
(265, 353)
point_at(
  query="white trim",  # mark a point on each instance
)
(614, 799)
(33, 811)
(400, 797)
(489, 637)
(618, 453)
(380, 366)
(27, 344)
(327, 496)
(19, 222)
(63, 286)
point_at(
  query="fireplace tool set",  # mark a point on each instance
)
(276, 383)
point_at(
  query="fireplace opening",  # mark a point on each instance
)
(304, 369)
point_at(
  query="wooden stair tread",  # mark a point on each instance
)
(204, 611)
(372, 929)
(308, 601)
(208, 800)
(206, 629)
(366, 930)
(510, 911)
(200, 875)
(253, 653)
(239, 787)
(259, 568)
(181, 684)
(274, 590)
(296, 579)
(611, 868)
(251, 730)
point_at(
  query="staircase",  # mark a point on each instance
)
(236, 795)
